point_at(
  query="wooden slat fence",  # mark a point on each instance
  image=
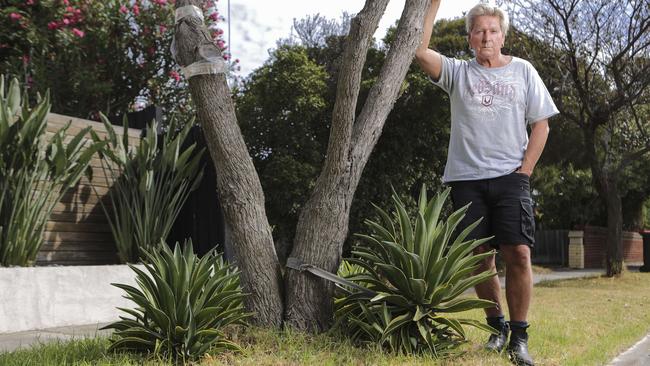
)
(551, 247)
(78, 232)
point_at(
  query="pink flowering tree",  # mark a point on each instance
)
(110, 56)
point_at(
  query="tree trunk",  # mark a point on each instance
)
(614, 257)
(238, 185)
(323, 223)
(605, 178)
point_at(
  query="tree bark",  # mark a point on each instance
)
(323, 223)
(605, 178)
(614, 257)
(238, 185)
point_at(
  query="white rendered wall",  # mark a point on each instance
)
(46, 297)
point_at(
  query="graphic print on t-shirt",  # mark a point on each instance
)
(491, 96)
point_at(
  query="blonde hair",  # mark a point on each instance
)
(490, 10)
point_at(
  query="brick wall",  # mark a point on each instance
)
(594, 248)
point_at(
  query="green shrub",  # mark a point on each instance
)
(35, 172)
(150, 185)
(98, 55)
(182, 305)
(417, 275)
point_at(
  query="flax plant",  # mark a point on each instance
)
(35, 172)
(150, 184)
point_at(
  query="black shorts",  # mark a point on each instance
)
(505, 205)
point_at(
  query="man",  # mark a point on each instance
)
(494, 97)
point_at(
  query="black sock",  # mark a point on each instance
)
(496, 322)
(518, 325)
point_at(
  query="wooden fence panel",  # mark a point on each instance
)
(551, 247)
(78, 232)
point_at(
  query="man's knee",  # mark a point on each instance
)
(488, 262)
(516, 255)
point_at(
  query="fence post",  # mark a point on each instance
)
(576, 249)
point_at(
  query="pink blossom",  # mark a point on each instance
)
(29, 2)
(66, 2)
(214, 16)
(221, 44)
(162, 28)
(236, 60)
(69, 9)
(226, 56)
(174, 75)
(78, 33)
(136, 10)
(160, 2)
(15, 16)
(52, 25)
(123, 9)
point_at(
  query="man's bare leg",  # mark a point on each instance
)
(519, 288)
(519, 280)
(491, 290)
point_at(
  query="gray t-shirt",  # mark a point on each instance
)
(490, 109)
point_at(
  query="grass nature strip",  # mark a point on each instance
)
(574, 322)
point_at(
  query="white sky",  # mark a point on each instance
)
(256, 25)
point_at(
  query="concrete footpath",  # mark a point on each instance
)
(26, 339)
(637, 355)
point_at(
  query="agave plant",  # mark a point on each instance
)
(416, 271)
(150, 184)
(35, 172)
(183, 303)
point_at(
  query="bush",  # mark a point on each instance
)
(183, 303)
(416, 274)
(35, 172)
(150, 185)
(97, 55)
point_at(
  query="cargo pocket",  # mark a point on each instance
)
(527, 220)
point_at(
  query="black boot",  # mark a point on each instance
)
(518, 345)
(497, 341)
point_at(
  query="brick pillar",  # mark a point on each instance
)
(576, 249)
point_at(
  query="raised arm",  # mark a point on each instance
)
(429, 60)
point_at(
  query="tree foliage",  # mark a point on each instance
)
(96, 55)
(284, 110)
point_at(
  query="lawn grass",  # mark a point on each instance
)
(574, 322)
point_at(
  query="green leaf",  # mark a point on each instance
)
(405, 224)
(452, 323)
(395, 299)
(395, 324)
(13, 98)
(479, 325)
(458, 305)
(396, 277)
